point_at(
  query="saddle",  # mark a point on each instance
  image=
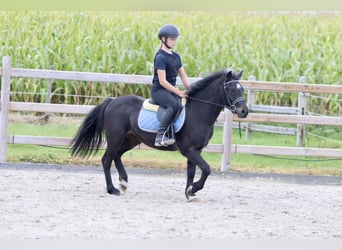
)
(151, 113)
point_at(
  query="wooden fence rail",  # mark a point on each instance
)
(226, 148)
(300, 131)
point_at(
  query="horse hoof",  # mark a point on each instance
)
(123, 185)
(189, 194)
(114, 191)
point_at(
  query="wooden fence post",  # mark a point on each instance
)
(5, 98)
(227, 140)
(250, 102)
(48, 95)
(302, 110)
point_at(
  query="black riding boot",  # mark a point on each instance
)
(161, 138)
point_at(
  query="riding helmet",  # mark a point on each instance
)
(168, 30)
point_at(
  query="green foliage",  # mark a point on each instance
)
(272, 47)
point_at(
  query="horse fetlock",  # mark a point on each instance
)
(123, 184)
(189, 193)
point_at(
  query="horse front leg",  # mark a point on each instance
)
(191, 170)
(194, 156)
(107, 164)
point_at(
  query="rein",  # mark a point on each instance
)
(207, 102)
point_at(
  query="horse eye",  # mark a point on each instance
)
(240, 88)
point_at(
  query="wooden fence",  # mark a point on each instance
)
(301, 109)
(226, 148)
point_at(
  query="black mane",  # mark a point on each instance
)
(203, 83)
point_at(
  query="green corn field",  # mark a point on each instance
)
(271, 46)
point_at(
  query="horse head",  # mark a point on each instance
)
(233, 92)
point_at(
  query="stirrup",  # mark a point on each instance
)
(165, 141)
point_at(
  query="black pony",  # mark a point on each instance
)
(118, 118)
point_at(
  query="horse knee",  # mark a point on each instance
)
(206, 171)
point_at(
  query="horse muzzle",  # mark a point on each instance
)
(242, 110)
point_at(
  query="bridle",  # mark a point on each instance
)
(232, 106)
(231, 103)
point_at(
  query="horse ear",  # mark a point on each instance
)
(229, 75)
(240, 74)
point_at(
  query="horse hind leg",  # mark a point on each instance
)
(107, 164)
(123, 177)
(130, 142)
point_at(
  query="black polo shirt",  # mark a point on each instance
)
(171, 63)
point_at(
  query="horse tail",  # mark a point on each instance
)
(89, 136)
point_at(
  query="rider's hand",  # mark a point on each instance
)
(182, 93)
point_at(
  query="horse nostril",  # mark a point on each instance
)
(244, 112)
